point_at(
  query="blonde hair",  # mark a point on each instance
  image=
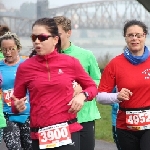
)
(9, 35)
(64, 22)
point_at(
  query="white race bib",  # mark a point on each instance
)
(7, 95)
(54, 136)
(138, 120)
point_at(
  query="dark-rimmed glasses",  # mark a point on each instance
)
(40, 37)
(137, 35)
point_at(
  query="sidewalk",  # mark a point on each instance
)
(102, 145)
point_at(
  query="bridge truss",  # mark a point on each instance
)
(103, 14)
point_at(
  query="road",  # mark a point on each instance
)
(99, 145)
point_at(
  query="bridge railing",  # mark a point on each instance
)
(103, 14)
(21, 26)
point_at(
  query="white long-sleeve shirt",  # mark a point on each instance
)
(107, 98)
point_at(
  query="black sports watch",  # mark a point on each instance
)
(86, 95)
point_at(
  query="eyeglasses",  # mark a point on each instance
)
(40, 37)
(10, 49)
(138, 35)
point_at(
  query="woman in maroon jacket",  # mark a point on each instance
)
(48, 77)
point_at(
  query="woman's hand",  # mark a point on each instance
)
(124, 94)
(77, 90)
(76, 103)
(19, 104)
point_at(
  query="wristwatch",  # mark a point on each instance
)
(86, 95)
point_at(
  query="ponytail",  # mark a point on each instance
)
(32, 53)
(58, 46)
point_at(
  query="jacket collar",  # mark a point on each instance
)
(47, 57)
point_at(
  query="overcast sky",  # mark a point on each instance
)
(52, 3)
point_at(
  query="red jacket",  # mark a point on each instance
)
(136, 78)
(49, 82)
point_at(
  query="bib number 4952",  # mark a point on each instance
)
(139, 120)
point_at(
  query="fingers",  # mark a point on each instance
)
(23, 99)
(19, 104)
(75, 107)
(76, 103)
(21, 108)
(128, 92)
(70, 103)
(124, 94)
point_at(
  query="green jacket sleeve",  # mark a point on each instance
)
(1, 56)
(93, 69)
(2, 119)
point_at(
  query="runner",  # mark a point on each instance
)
(48, 76)
(3, 29)
(130, 72)
(89, 113)
(16, 134)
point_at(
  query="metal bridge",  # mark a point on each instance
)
(101, 14)
(21, 26)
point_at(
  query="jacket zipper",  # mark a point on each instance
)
(48, 70)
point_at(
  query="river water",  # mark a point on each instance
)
(99, 50)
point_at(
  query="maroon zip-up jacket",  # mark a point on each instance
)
(49, 82)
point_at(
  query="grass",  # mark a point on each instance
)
(103, 129)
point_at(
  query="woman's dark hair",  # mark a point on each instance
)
(52, 28)
(32, 53)
(4, 29)
(132, 23)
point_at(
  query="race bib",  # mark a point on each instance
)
(54, 136)
(138, 120)
(7, 95)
